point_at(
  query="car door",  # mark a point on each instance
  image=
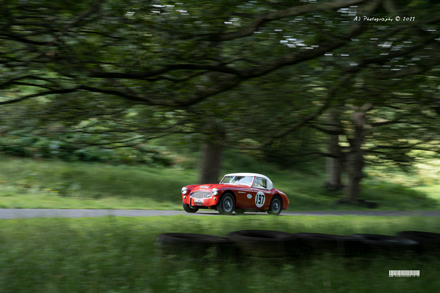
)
(261, 194)
(244, 193)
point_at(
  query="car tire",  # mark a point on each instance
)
(226, 205)
(189, 209)
(239, 211)
(196, 245)
(266, 243)
(429, 242)
(276, 205)
(387, 245)
(318, 244)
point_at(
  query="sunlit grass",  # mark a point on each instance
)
(44, 201)
(25, 183)
(432, 191)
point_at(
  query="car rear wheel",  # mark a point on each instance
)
(189, 209)
(226, 205)
(275, 206)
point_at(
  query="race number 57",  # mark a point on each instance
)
(260, 198)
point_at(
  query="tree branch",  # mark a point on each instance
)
(260, 19)
(52, 92)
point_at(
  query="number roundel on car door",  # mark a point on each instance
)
(260, 198)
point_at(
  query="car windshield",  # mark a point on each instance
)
(246, 180)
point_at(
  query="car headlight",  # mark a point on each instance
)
(214, 191)
(184, 190)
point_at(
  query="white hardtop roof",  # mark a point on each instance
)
(247, 174)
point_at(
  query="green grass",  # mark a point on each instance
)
(119, 255)
(26, 183)
(432, 191)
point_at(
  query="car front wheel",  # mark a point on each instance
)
(189, 209)
(275, 206)
(226, 205)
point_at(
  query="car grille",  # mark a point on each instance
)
(201, 194)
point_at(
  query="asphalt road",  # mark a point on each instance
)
(80, 213)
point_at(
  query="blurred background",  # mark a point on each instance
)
(343, 93)
(118, 104)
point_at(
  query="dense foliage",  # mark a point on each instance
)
(226, 74)
(21, 144)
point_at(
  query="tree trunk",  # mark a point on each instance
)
(333, 164)
(210, 163)
(355, 165)
(355, 158)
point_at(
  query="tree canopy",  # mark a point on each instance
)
(230, 70)
(179, 54)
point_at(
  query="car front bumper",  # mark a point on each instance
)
(200, 202)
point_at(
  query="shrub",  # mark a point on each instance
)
(22, 144)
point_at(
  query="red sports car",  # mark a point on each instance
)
(239, 192)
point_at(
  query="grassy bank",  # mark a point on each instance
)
(26, 183)
(119, 255)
